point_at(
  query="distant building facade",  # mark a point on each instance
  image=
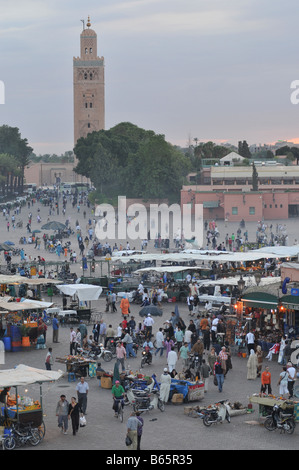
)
(48, 174)
(226, 193)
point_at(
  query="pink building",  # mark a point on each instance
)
(226, 192)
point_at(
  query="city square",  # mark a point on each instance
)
(103, 431)
(148, 175)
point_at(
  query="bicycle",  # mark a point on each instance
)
(120, 412)
(7, 441)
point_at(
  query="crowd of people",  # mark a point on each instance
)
(189, 349)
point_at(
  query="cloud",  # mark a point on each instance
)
(215, 69)
(199, 23)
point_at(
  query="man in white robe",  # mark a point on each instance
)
(165, 386)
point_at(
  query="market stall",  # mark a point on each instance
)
(21, 318)
(262, 314)
(289, 312)
(266, 403)
(17, 407)
(187, 391)
(80, 294)
(78, 366)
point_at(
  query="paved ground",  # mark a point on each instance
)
(172, 430)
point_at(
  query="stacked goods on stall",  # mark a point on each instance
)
(230, 330)
(16, 338)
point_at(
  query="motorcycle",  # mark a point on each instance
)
(96, 352)
(144, 400)
(280, 420)
(217, 414)
(136, 297)
(146, 357)
(111, 345)
(194, 361)
(139, 338)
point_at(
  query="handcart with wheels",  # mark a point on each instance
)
(19, 412)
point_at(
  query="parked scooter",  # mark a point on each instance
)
(280, 420)
(144, 400)
(215, 415)
(96, 352)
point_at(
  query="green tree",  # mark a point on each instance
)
(156, 170)
(12, 144)
(243, 149)
(9, 169)
(129, 160)
(254, 178)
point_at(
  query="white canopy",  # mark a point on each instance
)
(37, 281)
(18, 306)
(26, 375)
(233, 281)
(84, 292)
(11, 278)
(279, 251)
(38, 303)
(17, 279)
(201, 256)
(127, 253)
(169, 269)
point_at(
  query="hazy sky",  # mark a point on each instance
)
(208, 69)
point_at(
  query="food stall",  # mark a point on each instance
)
(266, 403)
(261, 310)
(21, 325)
(81, 294)
(18, 408)
(78, 366)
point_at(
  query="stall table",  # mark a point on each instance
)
(77, 364)
(266, 405)
(192, 391)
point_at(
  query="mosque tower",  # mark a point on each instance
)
(89, 86)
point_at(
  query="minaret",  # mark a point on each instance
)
(89, 86)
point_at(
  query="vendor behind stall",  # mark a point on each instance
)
(4, 394)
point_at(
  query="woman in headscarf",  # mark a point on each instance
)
(252, 366)
(212, 358)
(259, 355)
(168, 343)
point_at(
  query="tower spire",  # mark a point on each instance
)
(88, 24)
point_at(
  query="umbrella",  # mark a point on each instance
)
(152, 309)
(4, 247)
(36, 231)
(54, 226)
(8, 243)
